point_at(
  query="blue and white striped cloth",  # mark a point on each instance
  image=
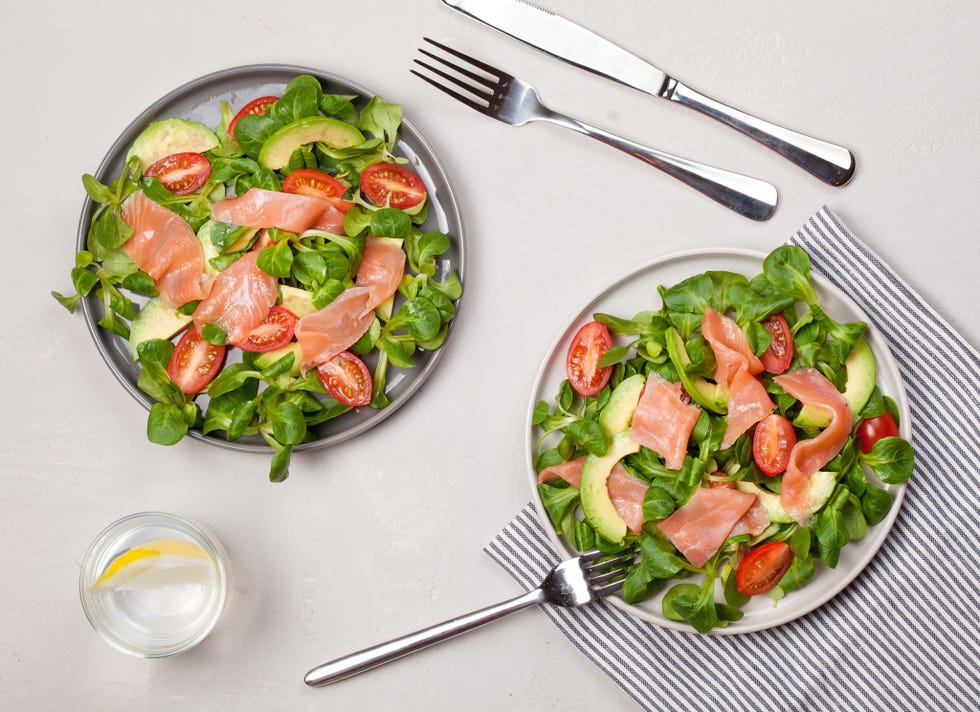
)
(905, 635)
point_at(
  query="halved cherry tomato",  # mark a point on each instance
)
(772, 444)
(252, 108)
(763, 567)
(779, 355)
(181, 173)
(347, 379)
(392, 186)
(871, 430)
(314, 183)
(195, 362)
(582, 361)
(275, 331)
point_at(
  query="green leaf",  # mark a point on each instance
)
(558, 500)
(583, 536)
(450, 286)
(252, 131)
(875, 503)
(280, 366)
(541, 411)
(288, 423)
(589, 435)
(299, 101)
(381, 119)
(83, 280)
(422, 318)
(831, 533)
(310, 269)
(341, 107)
(613, 356)
(141, 283)
(232, 377)
(657, 561)
(357, 220)
(637, 585)
(788, 269)
(214, 334)
(279, 468)
(390, 222)
(97, 191)
(398, 353)
(802, 568)
(733, 596)
(854, 521)
(330, 290)
(166, 424)
(725, 289)
(657, 504)
(69, 303)
(891, 459)
(840, 337)
(277, 259)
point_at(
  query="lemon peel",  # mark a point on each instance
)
(156, 564)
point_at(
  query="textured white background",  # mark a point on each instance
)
(384, 535)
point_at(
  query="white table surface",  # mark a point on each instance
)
(383, 535)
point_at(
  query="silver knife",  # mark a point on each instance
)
(576, 45)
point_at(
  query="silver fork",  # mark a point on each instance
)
(574, 582)
(515, 102)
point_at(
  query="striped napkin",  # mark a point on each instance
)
(904, 635)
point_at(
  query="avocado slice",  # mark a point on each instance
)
(596, 503)
(298, 301)
(277, 149)
(168, 136)
(862, 372)
(711, 396)
(264, 360)
(618, 412)
(155, 321)
(820, 488)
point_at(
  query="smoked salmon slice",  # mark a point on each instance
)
(626, 491)
(700, 527)
(165, 247)
(381, 269)
(811, 387)
(663, 421)
(748, 401)
(335, 328)
(753, 522)
(258, 207)
(240, 298)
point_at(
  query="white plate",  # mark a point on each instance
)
(636, 291)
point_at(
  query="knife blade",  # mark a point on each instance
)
(572, 43)
(566, 40)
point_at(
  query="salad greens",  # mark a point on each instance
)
(249, 398)
(569, 428)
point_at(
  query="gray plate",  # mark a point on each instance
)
(199, 100)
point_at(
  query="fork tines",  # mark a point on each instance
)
(491, 84)
(613, 570)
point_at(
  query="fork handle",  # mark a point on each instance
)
(829, 162)
(747, 196)
(364, 660)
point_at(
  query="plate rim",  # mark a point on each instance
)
(878, 346)
(451, 206)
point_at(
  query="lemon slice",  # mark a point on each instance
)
(157, 564)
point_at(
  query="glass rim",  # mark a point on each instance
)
(197, 533)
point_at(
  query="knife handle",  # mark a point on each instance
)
(830, 163)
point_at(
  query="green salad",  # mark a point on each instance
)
(267, 272)
(736, 438)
